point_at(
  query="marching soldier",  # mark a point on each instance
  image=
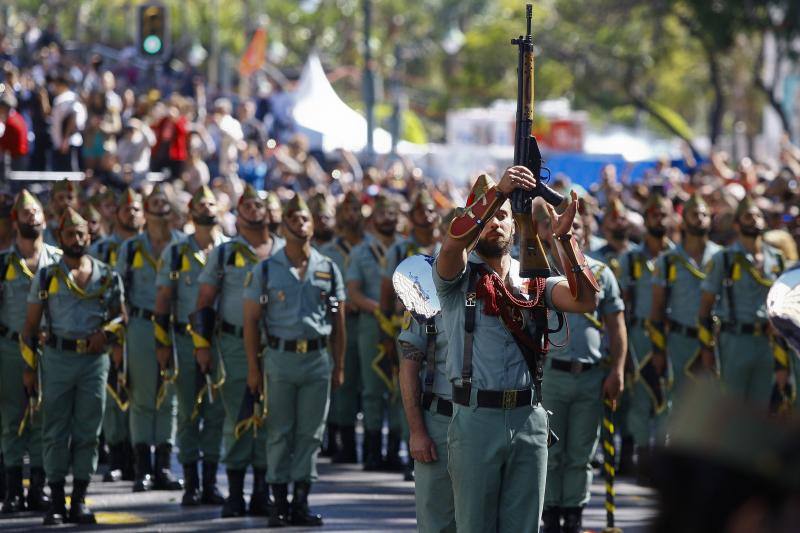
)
(324, 219)
(180, 266)
(274, 214)
(344, 400)
(217, 324)
(82, 300)
(94, 219)
(22, 422)
(364, 277)
(648, 398)
(495, 358)
(428, 410)
(575, 381)
(293, 299)
(740, 276)
(62, 195)
(152, 410)
(672, 327)
(116, 422)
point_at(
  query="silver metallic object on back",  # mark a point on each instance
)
(783, 306)
(413, 282)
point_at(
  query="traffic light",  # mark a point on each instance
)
(153, 30)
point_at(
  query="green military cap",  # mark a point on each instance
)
(24, 199)
(656, 201)
(129, 197)
(273, 202)
(249, 193)
(90, 212)
(744, 206)
(100, 197)
(202, 193)
(694, 201)
(158, 190)
(616, 208)
(423, 199)
(384, 201)
(319, 205)
(71, 219)
(63, 186)
(296, 204)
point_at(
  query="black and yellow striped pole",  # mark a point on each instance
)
(609, 463)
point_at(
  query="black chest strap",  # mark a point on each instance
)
(430, 354)
(728, 264)
(470, 310)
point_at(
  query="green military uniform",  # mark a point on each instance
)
(636, 277)
(380, 393)
(344, 400)
(679, 274)
(297, 364)
(226, 268)
(199, 425)
(433, 490)
(572, 391)
(497, 457)
(745, 352)
(149, 424)
(16, 283)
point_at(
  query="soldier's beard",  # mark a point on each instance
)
(76, 251)
(498, 248)
(619, 234)
(386, 229)
(324, 234)
(697, 231)
(205, 220)
(274, 227)
(752, 231)
(658, 233)
(29, 231)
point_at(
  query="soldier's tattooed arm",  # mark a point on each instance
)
(411, 352)
(420, 445)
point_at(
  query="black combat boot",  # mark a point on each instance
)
(573, 520)
(347, 451)
(331, 444)
(259, 499)
(79, 512)
(551, 520)
(279, 513)
(644, 465)
(626, 466)
(14, 501)
(301, 515)
(37, 500)
(164, 480)
(116, 457)
(144, 469)
(372, 451)
(191, 485)
(128, 462)
(393, 462)
(211, 494)
(234, 505)
(58, 507)
(408, 471)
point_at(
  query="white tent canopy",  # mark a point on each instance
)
(328, 122)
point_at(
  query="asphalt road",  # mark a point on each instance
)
(348, 498)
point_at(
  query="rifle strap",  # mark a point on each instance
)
(430, 354)
(470, 303)
(728, 264)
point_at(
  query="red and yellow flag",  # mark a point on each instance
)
(254, 56)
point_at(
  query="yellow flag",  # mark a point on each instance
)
(138, 261)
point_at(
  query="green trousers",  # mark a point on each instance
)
(747, 366)
(376, 397)
(149, 425)
(433, 491)
(203, 435)
(643, 422)
(576, 403)
(344, 400)
(680, 350)
(251, 446)
(13, 405)
(116, 422)
(298, 386)
(497, 461)
(73, 401)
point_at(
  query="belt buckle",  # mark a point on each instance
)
(471, 297)
(301, 346)
(81, 345)
(174, 275)
(575, 367)
(509, 399)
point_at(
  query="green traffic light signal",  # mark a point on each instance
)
(152, 44)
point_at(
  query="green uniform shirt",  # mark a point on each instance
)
(402, 249)
(585, 337)
(636, 274)
(16, 282)
(72, 316)
(188, 260)
(750, 296)
(226, 268)
(106, 249)
(415, 334)
(684, 297)
(138, 267)
(296, 309)
(497, 361)
(368, 262)
(339, 251)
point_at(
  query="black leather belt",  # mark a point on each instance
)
(70, 345)
(573, 367)
(443, 407)
(495, 399)
(757, 328)
(231, 329)
(8, 334)
(140, 312)
(297, 345)
(677, 327)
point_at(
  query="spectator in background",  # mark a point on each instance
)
(228, 136)
(13, 135)
(67, 121)
(133, 149)
(172, 139)
(252, 128)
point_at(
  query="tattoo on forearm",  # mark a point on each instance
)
(411, 352)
